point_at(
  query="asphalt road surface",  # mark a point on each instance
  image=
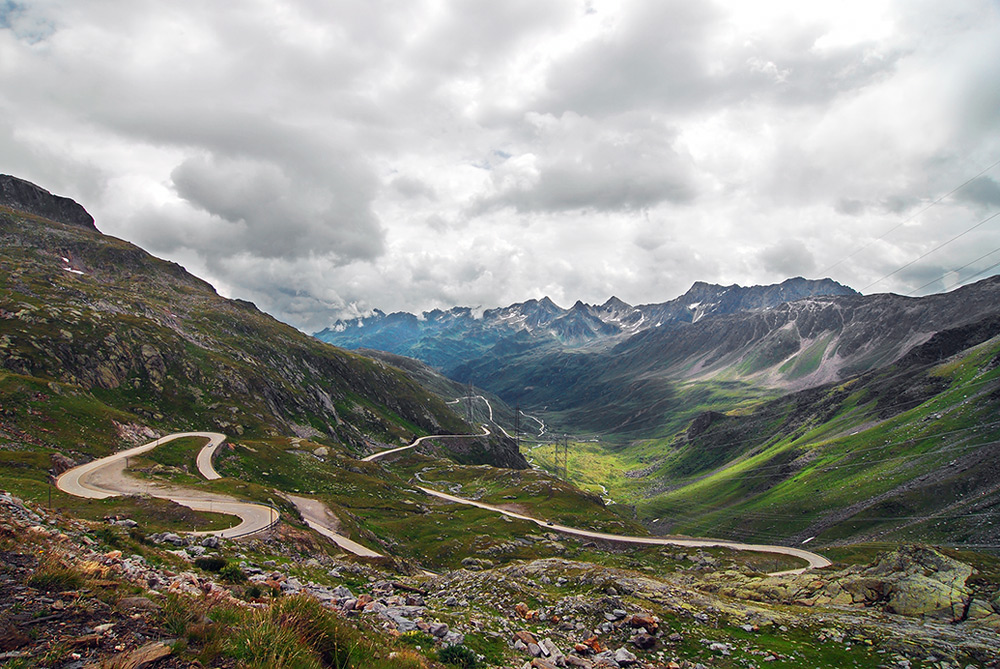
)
(814, 560)
(106, 477)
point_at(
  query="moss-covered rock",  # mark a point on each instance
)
(911, 581)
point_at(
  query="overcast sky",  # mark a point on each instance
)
(327, 158)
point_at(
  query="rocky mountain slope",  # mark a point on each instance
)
(89, 319)
(652, 382)
(898, 453)
(95, 594)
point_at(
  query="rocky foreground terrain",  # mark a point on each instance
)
(76, 594)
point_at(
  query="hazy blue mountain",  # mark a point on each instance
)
(449, 339)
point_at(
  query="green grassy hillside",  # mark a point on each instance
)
(904, 453)
(107, 336)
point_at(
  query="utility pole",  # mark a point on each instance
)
(565, 463)
(517, 427)
(468, 404)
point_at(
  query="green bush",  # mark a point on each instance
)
(210, 562)
(110, 536)
(294, 633)
(417, 638)
(458, 655)
(264, 642)
(177, 614)
(231, 573)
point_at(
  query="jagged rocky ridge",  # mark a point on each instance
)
(448, 339)
(617, 368)
(790, 347)
(31, 199)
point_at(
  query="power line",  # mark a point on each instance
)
(955, 271)
(749, 425)
(759, 471)
(754, 419)
(936, 248)
(866, 463)
(908, 219)
(979, 273)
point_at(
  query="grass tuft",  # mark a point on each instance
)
(52, 575)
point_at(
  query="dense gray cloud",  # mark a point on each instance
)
(983, 191)
(577, 163)
(788, 257)
(324, 159)
(270, 213)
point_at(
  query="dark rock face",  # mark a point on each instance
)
(29, 198)
(702, 423)
(496, 450)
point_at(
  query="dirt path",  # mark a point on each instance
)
(320, 518)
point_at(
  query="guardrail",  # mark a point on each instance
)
(270, 526)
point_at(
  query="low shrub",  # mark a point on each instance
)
(178, 614)
(458, 655)
(231, 573)
(211, 562)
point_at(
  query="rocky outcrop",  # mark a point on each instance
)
(919, 581)
(29, 198)
(915, 581)
(495, 449)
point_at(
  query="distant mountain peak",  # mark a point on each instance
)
(614, 303)
(547, 303)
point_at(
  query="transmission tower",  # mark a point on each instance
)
(562, 458)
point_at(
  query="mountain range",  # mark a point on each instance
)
(616, 368)
(449, 339)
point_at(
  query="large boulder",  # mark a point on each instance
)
(919, 581)
(911, 581)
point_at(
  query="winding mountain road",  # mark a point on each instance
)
(105, 477)
(416, 442)
(320, 518)
(813, 560)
